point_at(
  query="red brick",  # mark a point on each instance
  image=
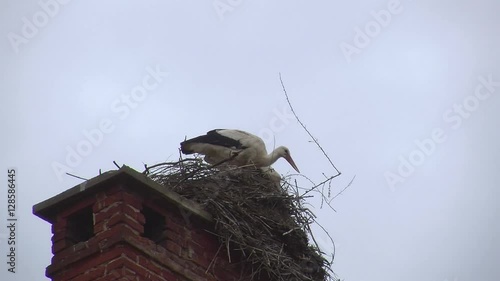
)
(151, 265)
(81, 277)
(174, 248)
(110, 202)
(90, 274)
(210, 247)
(85, 264)
(125, 266)
(140, 270)
(175, 237)
(169, 275)
(132, 199)
(99, 260)
(134, 213)
(59, 246)
(75, 207)
(117, 231)
(80, 246)
(111, 276)
(139, 228)
(116, 218)
(59, 235)
(127, 220)
(99, 197)
(106, 234)
(95, 272)
(59, 225)
(129, 274)
(116, 214)
(107, 213)
(129, 253)
(104, 202)
(116, 263)
(147, 263)
(173, 216)
(200, 260)
(100, 227)
(175, 227)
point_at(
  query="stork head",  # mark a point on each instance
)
(285, 153)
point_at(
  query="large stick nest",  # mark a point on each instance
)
(264, 219)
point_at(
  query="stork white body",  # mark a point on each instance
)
(240, 147)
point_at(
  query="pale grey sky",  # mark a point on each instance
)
(402, 94)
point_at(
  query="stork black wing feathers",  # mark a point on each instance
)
(214, 138)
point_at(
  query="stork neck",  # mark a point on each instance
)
(272, 157)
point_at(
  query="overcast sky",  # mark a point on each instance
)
(404, 95)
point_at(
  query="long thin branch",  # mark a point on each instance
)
(349, 184)
(317, 185)
(331, 240)
(75, 176)
(309, 133)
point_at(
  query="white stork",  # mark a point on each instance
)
(237, 147)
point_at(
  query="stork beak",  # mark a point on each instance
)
(292, 163)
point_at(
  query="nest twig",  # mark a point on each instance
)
(255, 215)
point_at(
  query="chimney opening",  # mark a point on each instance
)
(80, 226)
(154, 225)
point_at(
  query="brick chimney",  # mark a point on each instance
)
(122, 226)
